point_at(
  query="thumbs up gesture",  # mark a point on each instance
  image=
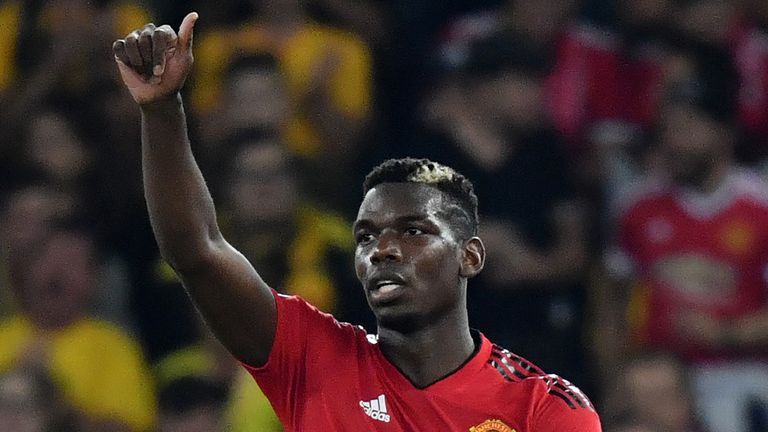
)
(154, 61)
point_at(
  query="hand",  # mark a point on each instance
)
(154, 62)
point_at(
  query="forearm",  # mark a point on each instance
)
(180, 206)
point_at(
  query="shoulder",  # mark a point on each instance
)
(644, 193)
(294, 311)
(749, 186)
(15, 324)
(555, 403)
(304, 331)
(103, 334)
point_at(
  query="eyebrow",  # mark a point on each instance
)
(367, 223)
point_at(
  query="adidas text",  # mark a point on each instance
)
(376, 409)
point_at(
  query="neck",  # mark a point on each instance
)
(429, 353)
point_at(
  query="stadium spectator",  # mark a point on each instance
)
(302, 248)
(655, 390)
(691, 247)
(322, 80)
(192, 404)
(57, 147)
(29, 210)
(99, 366)
(327, 72)
(28, 31)
(255, 97)
(245, 409)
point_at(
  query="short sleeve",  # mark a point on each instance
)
(307, 342)
(564, 408)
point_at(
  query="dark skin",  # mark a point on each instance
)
(403, 236)
(414, 269)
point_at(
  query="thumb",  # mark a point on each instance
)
(185, 30)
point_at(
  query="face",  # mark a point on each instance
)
(55, 147)
(262, 174)
(657, 394)
(513, 98)
(256, 98)
(409, 260)
(28, 214)
(59, 289)
(691, 145)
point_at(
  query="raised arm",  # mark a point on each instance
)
(235, 302)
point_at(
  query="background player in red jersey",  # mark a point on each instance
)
(415, 230)
(691, 264)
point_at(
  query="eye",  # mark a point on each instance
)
(363, 238)
(412, 231)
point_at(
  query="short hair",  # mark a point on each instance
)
(188, 393)
(443, 178)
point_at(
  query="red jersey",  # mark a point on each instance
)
(705, 254)
(323, 375)
(595, 81)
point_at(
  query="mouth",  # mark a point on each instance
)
(383, 290)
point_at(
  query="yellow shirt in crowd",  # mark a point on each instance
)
(97, 367)
(127, 16)
(298, 56)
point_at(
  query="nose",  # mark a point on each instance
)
(387, 250)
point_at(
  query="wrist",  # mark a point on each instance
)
(162, 104)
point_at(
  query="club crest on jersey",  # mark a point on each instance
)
(492, 425)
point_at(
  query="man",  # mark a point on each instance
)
(416, 248)
(691, 263)
(192, 404)
(657, 393)
(99, 367)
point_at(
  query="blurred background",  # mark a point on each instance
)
(619, 151)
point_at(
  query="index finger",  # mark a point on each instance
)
(118, 49)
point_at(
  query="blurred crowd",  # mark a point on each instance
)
(619, 151)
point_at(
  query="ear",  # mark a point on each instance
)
(473, 258)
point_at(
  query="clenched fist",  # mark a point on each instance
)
(154, 61)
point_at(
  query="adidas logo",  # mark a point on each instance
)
(376, 409)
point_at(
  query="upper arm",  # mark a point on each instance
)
(234, 301)
(557, 417)
(565, 409)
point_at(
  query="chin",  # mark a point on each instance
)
(395, 318)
